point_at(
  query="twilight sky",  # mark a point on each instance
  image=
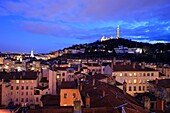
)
(48, 25)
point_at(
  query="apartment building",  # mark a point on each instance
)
(137, 77)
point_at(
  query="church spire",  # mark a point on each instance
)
(118, 32)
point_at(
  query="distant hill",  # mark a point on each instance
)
(151, 52)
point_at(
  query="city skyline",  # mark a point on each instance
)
(45, 26)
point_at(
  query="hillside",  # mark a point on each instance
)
(159, 52)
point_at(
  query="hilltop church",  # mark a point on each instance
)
(117, 35)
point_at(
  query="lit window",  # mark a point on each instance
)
(140, 81)
(134, 74)
(120, 74)
(130, 82)
(134, 81)
(130, 74)
(23, 81)
(17, 81)
(65, 95)
(74, 95)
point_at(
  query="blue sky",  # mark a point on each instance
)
(48, 25)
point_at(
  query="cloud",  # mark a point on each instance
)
(88, 20)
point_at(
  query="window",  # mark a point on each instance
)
(17, 92)
(63, 74)
(144, 74)
(26, 99)
(16, 99)
(37, 99)
(31, 88)
(26, 93)
(22, 99)
(36, 92)
(135, 74)
(11, 93)
(130, 74)
(140, 88)
(148, 74)
(148, 88)
(134, 88)
(30, 93)
(152, 74)
(140, 81)
(143, 88)
(134, 81)
(120, 74)
(32, 81)
(17, 87)
(140, 74)
(22, 93)
(26, 87)
(22, 87)
(63, 79)
(74, 95)
(143, 81)
(147, 81)
(17, 81)
(23, 81)
(130, 88)
(130, 82)
(65, 95)
(11, 87)
(125, 74)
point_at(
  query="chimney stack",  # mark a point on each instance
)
(124, 62)
(87, 101)
(94, 82)
(156, 81)
(134, 65)
(103, 93)
(113, 62)
(124, 87)
(143, 65)
(81, 87)
(114, 80)
(77, 106)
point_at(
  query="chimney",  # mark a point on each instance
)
(20, 77)
(124, 87)
(113, 62)
(87, 101)
(160, 103)
(143, 65)
(134, 65)
(79, 68)
(81, 87)
(103, 93)
(94, 82)
(156, 81)
(114, 80)
(124, 62)
(147, 103)
(77, 106)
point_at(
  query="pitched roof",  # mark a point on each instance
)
(129, 67)
(68, 85)
(162, 83)
(113, 95)
(28, 75)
